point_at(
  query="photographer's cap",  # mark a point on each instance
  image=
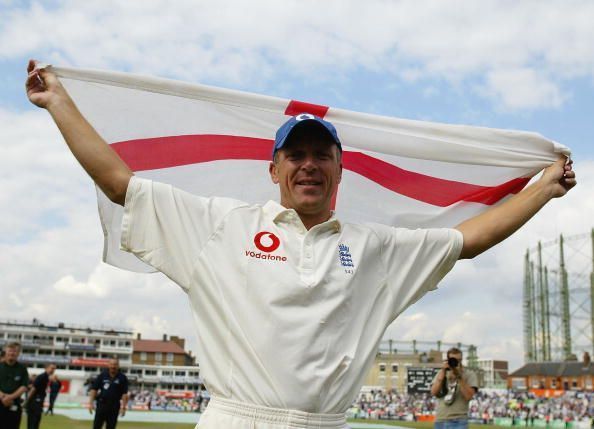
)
(302, 120)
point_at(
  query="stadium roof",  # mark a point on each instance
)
(555, 369)
(157, 346)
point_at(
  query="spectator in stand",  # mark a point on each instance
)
(55, 386)
(36, 396)
(13, 383)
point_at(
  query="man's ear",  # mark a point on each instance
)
(340, 173)
(273, 170)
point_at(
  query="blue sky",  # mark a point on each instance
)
(520, 65)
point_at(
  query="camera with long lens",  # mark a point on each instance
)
(452, 363)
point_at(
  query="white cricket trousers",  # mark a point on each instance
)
(226, 414)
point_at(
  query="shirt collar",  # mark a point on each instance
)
(279, 213)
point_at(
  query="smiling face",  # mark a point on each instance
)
(308, 170)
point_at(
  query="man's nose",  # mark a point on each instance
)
(309, 163)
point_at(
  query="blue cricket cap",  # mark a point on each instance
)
(301, 120)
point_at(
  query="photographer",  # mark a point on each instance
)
(454, 387)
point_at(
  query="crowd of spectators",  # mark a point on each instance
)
(379, 404)
(522, 408)
(164, 401)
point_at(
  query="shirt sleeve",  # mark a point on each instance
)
(96, 383)
(25, 377)
(416, 261)
(167, 227)
(40, 383)
(471, 379)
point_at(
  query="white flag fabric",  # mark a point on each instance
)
(217, 142)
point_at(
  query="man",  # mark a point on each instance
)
(13, 383)
(290, 302)
(55, 386)
(36, 396)
(110, 390)
(454, 387)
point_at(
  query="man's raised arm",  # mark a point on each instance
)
(489, 228)
(98, 159)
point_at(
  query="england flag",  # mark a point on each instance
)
(218, 142)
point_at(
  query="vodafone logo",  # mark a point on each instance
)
(304, 116)
(266, 241)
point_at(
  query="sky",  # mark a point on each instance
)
(525, 65)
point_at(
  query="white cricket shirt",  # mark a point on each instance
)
(286, 317)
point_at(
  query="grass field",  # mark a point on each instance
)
(61, 422)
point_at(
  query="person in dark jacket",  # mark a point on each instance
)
(36, 396)
(110, 392)
(14, 380)
(55, 386)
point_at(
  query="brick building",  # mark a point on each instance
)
(168, 351)
(554, 376)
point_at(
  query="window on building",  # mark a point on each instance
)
(136, 371)
(158, 356)
(143, 356)
(169, 357)
(166, 373)
(150, 372)
(519, 383)
(180, 373)
(535, 382)
(394, 367)
(382, 367)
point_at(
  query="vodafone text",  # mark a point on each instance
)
(266, 256)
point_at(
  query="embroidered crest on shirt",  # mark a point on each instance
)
(346, 259)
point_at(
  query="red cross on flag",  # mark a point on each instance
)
(218, 142)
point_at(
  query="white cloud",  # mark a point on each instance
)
(69, 286)
(523, 89)
(263, 42)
